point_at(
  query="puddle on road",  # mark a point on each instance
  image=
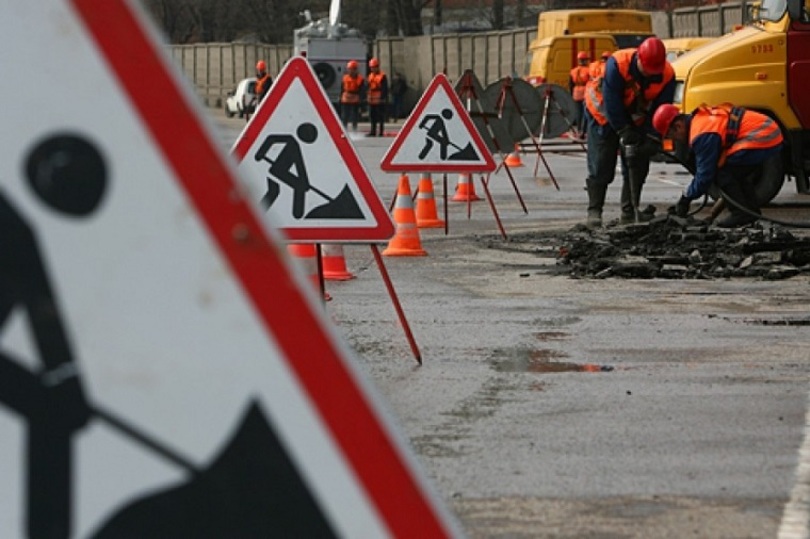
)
(546, 336)
(541, 361)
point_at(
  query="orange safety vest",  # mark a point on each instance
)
(580, 75)
(351, 89)
(636, 101)
(375, 84)
(738, 128)
(263, 84)
(597, 69)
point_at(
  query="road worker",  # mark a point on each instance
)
(730, 147)
(619, 111)
(350, 89)
(579, 77)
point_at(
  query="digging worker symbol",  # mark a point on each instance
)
(69, 176)
(436, 128)
(287, 165)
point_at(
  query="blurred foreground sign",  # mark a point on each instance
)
(162, 371)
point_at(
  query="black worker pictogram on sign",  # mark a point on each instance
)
(302, 168)
(438, 136)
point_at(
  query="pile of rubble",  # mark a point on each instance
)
(672, 248)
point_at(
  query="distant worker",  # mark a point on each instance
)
(579, 77)
(263, 80)
(731, 148)
(377, 97)
(619, 110)
(399, 86)
(350, 90)
(597, 67)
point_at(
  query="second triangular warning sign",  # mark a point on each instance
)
(438, 136)
(302, 168)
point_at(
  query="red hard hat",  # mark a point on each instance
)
(373, 63)
(352, 64)
(606, 55)
(663, 117)
(652, 54)
(582, 55)
(261, 66)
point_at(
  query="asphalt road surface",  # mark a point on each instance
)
(548, 406)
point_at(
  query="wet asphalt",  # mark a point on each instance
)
(547, 406)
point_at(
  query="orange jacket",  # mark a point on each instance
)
(580, 75)
(377, 88)
(636, 100)
(350, 93)
(739, 129)
(262, 85)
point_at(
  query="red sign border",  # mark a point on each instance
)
(202, 172)
(438, 81)
(299, 68)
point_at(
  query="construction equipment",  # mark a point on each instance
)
(764, 66)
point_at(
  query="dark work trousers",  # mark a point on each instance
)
(376, 115)
(350, 114)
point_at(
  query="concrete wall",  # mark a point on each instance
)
(215, 68)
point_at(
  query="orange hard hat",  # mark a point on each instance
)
(606, 55)
(663, 118)
(261, 66)
(582, 55)
(652, 54)
(373, 63)
(352, 64)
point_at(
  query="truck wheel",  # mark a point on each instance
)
(769, 184)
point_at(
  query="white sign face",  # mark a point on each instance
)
(304, 171)
(163, 373)
(438, 136)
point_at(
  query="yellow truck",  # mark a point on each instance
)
(561, 34)
(764, 66)
(553, 58)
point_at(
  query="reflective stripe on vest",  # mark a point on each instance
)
(351, 89)
(738, 128)
(375, 81)
(636, 101)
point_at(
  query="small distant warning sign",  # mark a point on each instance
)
(438, 136)
(164, 372)
(302, 168)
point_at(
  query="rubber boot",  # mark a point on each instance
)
(631, 202)
(737, 217)
(596, 200)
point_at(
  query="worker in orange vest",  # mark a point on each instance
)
(731, 147)
(377, 97)
(263, 80)
(580, 75)
(619, 110)
(350, 89)
(597, 67)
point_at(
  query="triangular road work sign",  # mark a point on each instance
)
(183, 380)
(438, 136)
(302, 168)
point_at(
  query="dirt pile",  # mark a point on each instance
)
(672, 248)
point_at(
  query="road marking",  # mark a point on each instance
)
(796, 516)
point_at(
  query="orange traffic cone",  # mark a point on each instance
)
(307, 258)
(334, 263)
(406, 240)
(513, 159)
(426, 214)
(465, 189)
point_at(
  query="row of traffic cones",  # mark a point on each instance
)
(406, 241)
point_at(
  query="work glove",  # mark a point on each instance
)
(681, 209)
(629, 136)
